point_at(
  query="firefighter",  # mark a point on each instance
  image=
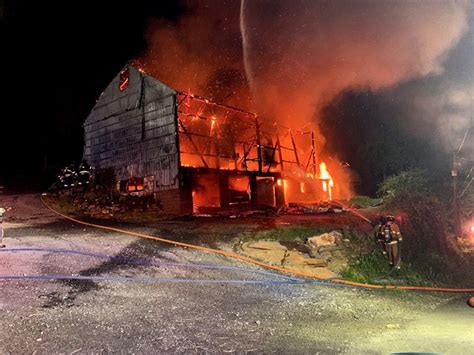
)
(67, 176)
(84, 174)
(388, 234)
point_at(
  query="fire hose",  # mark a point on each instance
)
(141, 279)
(351, 210)
(259, 263)
(123, 259)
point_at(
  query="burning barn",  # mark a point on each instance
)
(196, 155)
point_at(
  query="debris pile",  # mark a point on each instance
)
(98, 205)
(232, 212)
(321, 255)
(331, 247)
(311, 208)
(290, 209)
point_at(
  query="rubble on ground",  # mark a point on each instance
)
(324, 239)
(96, 205)
(232, 212)
(321, 255)
(311, 208)
(290, 209)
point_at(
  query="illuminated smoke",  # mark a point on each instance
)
(296, 55)
(300, 53)
(201, 51)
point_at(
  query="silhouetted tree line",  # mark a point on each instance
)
(365, 130)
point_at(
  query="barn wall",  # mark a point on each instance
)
(176, 201)
(160, 135)
(134, 132)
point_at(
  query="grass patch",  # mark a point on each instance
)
(365, 201)
(373, 268)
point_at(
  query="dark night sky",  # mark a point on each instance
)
(57, 57)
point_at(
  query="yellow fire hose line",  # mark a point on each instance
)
(259, 263)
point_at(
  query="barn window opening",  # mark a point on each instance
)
(132, 185)
(124, 79)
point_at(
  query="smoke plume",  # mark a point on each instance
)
(201, 51)
(287, 59)
(301, 53)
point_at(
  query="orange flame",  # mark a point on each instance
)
(329, 182)
(213, 123)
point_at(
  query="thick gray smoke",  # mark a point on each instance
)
(300, 53)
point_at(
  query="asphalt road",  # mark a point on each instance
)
(195, 315)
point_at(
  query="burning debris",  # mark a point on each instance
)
(316, 208)
(328, 182)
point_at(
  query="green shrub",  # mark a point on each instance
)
(365, 201)
(424, 224)
(408, 184)
(373, 268)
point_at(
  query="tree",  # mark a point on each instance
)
(368, 131)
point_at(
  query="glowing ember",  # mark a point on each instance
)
(124, 79)
(213, 123)
(329, 182)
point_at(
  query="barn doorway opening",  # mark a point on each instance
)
(239, 190)
(205, 191)
(265, 192)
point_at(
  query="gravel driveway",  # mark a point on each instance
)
(207, 312)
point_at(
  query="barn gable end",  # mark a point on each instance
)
(133, 129)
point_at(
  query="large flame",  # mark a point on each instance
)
(328, 182)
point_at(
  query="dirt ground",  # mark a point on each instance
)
(207, 312)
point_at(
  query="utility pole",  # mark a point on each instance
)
(259, 148)
(456, 212)
(313, 153)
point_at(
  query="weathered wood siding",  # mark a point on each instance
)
(135, 131)
(160, 134)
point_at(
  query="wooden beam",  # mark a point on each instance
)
(294, 149)
(193, 144)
